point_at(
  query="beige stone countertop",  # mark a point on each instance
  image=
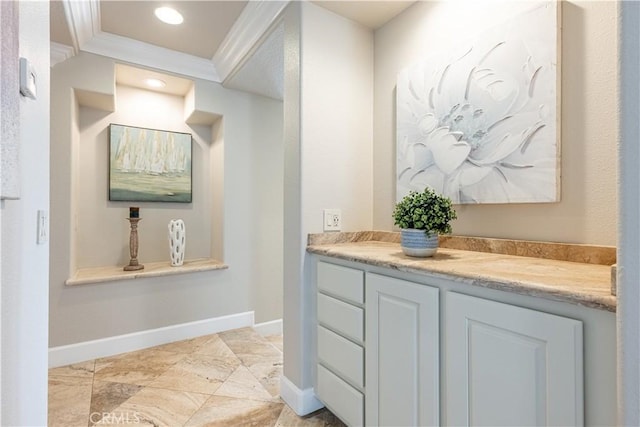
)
(579, 283)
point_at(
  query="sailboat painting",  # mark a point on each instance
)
(147, 165)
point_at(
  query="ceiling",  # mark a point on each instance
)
(225, 41)
(206, 24)
(371, 14)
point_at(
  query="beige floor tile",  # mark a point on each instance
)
(288, 418)
(319, 418)
(82, 369)
(268, 373)
(159, 407)
(240, 334)
(331, 420)
(276, 341)
(139, 354)
(140, 367)
(69, 400)
(221, 411)
(197, 373)
(172, 384)
(185, 346)
(106, 396)
(243, 385)
(252, 359)
(247, 344)
(215, 346)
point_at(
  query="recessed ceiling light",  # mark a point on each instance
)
(169, 15)
(155, 83)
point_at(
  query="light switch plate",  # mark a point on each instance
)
(43, 227)
(27, 79)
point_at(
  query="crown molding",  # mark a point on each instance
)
(148, 55)
(253, 24)
(60, 53)
(83, 19)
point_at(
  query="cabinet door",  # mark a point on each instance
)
(508, 366)
(402, 369)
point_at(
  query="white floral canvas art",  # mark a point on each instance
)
(480, 124)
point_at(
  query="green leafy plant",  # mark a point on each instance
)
(427, 211)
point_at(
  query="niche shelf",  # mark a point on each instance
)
(86, 276)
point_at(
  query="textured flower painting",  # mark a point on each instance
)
(481, 124)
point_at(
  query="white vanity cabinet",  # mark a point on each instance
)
(401, 349)
(508, 366)
(402, 368)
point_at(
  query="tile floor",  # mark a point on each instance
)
(226, 379)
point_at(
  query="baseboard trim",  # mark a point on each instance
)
(303, 402)
(80, 352)
(273, 327)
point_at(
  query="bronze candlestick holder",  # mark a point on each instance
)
(133, 246)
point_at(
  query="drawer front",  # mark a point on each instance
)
(344, 318)
(342, 356)
(343, 400)
(343, 282)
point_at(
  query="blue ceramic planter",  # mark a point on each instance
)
(418, 243)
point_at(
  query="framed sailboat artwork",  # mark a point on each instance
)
(149, 165)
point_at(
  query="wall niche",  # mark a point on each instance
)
(100, 231)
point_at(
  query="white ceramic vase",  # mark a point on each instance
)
(177, 241)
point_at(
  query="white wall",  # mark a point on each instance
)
(252, 214)
(328, 153)
(337, 108)
(587, 211)
(25, 264)
(249, 188)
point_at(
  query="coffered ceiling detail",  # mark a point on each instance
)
(241, 25)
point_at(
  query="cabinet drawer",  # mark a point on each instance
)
(341, 317)
(342, 399)
(342, 356)
(342, 282)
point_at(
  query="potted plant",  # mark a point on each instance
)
(422, 216)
